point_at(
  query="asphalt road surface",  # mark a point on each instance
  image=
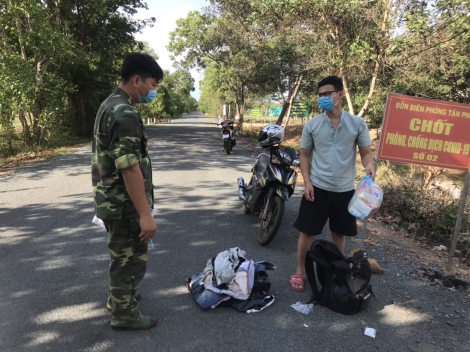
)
(54, 263)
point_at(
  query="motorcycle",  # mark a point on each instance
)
(272, 183)
(228, 135)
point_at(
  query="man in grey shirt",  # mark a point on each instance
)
(328, 166)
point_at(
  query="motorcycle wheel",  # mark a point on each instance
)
(246, 210)
(227, 146)
(268, 229)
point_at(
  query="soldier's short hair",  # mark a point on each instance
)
(142, 65)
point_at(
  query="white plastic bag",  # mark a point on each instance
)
(303, 308)
(367, 199)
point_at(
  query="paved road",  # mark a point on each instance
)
(53, 265)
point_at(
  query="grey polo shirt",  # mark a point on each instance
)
(333, 165)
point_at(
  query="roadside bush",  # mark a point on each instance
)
(249, 134)
(427, 213)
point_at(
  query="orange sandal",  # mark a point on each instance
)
(299, 280)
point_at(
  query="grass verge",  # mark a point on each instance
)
(8, 165)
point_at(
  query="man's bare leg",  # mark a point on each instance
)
(338, 240)
(303, 246)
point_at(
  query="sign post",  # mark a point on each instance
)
(428, 132)
(458, 225)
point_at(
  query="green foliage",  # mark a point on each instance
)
(214, 91)
(58, 60)
(243, 63)
(260, 48)
(174, 96)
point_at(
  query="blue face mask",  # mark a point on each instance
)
(326, 103)
(152, 94)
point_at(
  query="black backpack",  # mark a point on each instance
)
(345, 282)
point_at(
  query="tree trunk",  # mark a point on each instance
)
(285, 107)
(291, 101)
(82, 113)
(73, 108)
(285, 104)
(41, 68)
(57, 12)
(4, 36)
(20, 40)
(243, 104)
(388, 9)
(344, 77)
(23, 51)
(26, 131)
(240, 112)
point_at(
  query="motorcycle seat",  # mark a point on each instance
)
(262, 163)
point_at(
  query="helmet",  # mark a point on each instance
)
(270, 135)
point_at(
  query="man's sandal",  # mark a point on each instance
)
(299, 280)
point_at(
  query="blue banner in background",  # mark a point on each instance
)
(274, 112)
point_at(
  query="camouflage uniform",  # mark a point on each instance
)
(119, 143)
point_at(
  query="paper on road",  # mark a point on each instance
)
(370, 332)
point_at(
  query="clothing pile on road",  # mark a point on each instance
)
(231, 280)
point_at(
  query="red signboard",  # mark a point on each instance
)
(426, 131)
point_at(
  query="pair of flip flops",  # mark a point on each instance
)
(299, 280)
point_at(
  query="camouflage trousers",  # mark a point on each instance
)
(127, 269)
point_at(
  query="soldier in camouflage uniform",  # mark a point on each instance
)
(123, 189)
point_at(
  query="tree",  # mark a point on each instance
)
(212, 37)
(59, 60)
(174, 96)
(272, 31)
(215, 91)
(31, 43)
(433, 52)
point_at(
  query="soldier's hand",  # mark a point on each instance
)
(148, 228)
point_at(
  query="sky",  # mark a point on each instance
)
(166, 12)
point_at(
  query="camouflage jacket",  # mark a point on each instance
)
(119, 142)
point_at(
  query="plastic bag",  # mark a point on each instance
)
(367, 199)
(303, 308)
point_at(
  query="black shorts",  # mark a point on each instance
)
(327, 205)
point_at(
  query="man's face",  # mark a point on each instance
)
(330, 91)
(143, 86)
